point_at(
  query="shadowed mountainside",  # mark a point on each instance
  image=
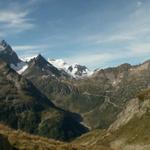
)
(23, 106)
(19, 140)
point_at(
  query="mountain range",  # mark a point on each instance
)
(57, 100)
(75, 70)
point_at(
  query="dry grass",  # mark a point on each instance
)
(25, 141)
(144, 94)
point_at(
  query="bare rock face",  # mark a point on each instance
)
(131, 129)
(131, 109)
(39, 66)
(78, 71)
(7, 54)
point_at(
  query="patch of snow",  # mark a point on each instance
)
(2, 48)
(114, 82)
(53, 75)
(71, 69)
(20, 67)
(74, 70)
(28, 58)
(59, 63)
(23, 69)
(84, 124)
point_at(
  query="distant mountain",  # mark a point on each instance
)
(20, 65)
(23, 106)
(39, 66)
(75, 70)
(9, 56)
(28, 58)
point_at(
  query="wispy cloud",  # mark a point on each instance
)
(140, 49)
(117, 37)
(93, 36)
(91, 59)
(135, 25)
(139, 3)
(103, 59)
(31, 50)
(14, 21)
(130, 51)
(29, 47)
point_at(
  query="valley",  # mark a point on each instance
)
(43, 102)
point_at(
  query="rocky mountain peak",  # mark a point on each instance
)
(125, 66)
(4, 46)
(40, 57)
(3, 43)
(78, 70)
(10, 57)
(42, 66)
(7, 54)
(40, 61)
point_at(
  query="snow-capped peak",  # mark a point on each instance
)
(20, 65)
(59, 63)
(28, 58)
(10, 56)
(75, 70)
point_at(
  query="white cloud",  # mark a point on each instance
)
(14, 21)
(30, 50)
(117, 37)
(134, 26)
(29, 47)
(28, 57)
(104, 58)
(140, 48)
(91, 59)
(125, 34)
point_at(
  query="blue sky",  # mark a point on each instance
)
(96, 33)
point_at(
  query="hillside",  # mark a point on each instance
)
(64, 92)
(18, 140)
(131, 129)
(98, 98)
(113, 87)
(23, 106)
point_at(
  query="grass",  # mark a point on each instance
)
(144, 94)
(135, 133)
(24, 141)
